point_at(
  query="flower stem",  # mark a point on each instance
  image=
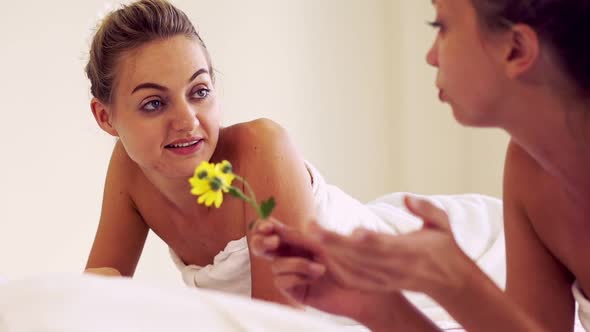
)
(247, 185)
(249, 200)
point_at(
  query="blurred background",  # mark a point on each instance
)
(347, 78)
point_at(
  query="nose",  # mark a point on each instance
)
(432, 54)
(185, 118)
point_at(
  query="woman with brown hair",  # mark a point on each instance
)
(520, 65)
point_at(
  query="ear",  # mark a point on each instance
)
(523, 51)
(103, 116)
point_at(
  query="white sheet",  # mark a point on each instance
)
(91, 303)
(477, 224)
(86, 303)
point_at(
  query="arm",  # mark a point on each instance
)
(397, 314)
(121, 231)
(273, 167)
(536, 280)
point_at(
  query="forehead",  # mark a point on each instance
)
(161, 60)
(461, 13)
(457, 7)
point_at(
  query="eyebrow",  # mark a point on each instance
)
(150, 85)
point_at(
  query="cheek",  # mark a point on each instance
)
(211, 116)
(479, 106)
(142, 142)
(215, 110)
(466, 74)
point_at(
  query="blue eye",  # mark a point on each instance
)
(201, 93)
(152, 105)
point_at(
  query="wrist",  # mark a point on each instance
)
(463, 273)
(380, 314)
(395, 313)
(467, 282)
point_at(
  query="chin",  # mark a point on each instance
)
(471, 119)
(178, 170)
(181, 173)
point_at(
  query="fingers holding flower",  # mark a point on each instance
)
(271, 239)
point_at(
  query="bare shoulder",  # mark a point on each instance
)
(258, 141)
(259, 132)
(521, 167)
(268, 158)
(537, 192)
(531, 192)
(526, 183)
(123, 173)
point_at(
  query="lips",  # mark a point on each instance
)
(186, 147)
(441, 95)
(184, 143)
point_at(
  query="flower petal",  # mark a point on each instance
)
(224, 167)
(202, 198)
(218, 199)
(211, 196)
(199, 186)
(204, 170)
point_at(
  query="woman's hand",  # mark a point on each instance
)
(428, 260)
(300, 275)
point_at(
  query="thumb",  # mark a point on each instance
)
(433, 216)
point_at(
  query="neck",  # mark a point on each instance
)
(557, 136)
(177, 192)
(177, 189)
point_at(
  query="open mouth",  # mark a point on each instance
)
(183, 145)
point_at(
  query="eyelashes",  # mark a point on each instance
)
(434, 24)
(157, 103)
(152, 105)
(201, 93)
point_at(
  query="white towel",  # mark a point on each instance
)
(230, 271)
(583, 306)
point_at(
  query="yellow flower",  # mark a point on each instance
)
(210, 182)
(200, 180)
(223, 171)
(211, 197)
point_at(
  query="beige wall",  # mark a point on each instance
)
(347, 78)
